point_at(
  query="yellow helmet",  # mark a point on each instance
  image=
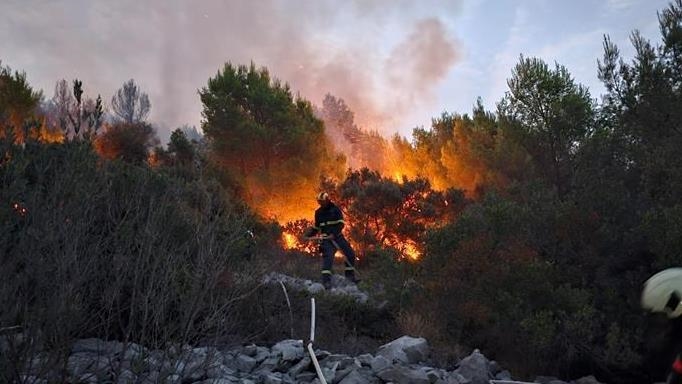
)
(322, 196)
(663, 291)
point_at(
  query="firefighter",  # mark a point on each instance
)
(328, 225)
(662, 293)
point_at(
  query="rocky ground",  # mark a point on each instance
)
(406, 360)
(340, 286)
(402, 361)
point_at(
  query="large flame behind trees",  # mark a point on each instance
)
(406, 187)
(269, 141)
(280, 150)
(458, 151)
(277, 148)
(19, 108)
(385, 213)
(26, 116)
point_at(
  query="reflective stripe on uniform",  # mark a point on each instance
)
(326, 272)
(331, 222)
(350, 269)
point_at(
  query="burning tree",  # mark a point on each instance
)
(128, 142)
(18, 104)
(473, 153)
(381, 212)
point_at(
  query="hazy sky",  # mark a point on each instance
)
(397, 63)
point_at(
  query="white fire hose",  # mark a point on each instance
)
(310, 343)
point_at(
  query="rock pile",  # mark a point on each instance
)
(341, 286)
(402, 361)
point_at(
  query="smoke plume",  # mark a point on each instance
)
(381, 57)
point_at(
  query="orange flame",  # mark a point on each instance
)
(289, 241)
(400, 160)
(411, 251)
(46, 135)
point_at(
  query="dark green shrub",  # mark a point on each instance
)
(91, 248)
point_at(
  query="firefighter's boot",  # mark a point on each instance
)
(350, 275)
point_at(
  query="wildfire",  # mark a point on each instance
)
(290, 204)
(411, 251)
(46, 135)
(290, 241)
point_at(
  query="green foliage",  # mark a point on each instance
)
(18, 102)
(629, 179)
(663, 228)
(642, 107)
(182, 150)
(554, 113)
(91, 248)
(390, 278)
(265, 138)
(621, 347)
(487, 279)
(182, 154)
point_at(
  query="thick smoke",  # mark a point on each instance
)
(418, 63)
(381, 57)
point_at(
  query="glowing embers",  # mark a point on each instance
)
(410, 251)
(19, 209)
(407, 249)
(290, 241)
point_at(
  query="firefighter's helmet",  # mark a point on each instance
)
(322, 196)
(663, 292)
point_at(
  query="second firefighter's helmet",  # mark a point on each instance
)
(663, 292)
